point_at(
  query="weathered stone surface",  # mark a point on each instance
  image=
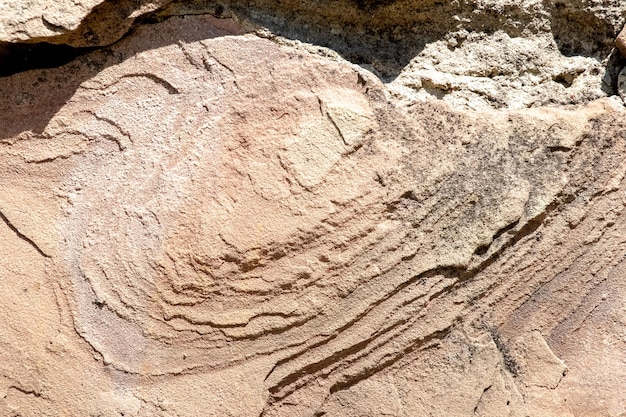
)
(78, 23)
(621, 84)
(620, 42)
(199, 220)
(23, 21)
(475, 55)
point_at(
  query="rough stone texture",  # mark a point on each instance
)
(472, 54)
(620, 42)
(476, 55)
(78, 23)
(201, 220)
(23, 21)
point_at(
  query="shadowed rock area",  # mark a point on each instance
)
(473, 55)
(313, 209)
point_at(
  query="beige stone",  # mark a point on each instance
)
(201, 220)
(78, 23)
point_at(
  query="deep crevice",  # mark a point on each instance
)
(19, 57)
(593, 36)
(381, 35)
(16, 57)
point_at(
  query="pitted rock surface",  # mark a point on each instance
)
(201, 220)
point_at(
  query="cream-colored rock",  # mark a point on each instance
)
(77, 23)
(542, 367)
(500, 71)
(621, 84)
(25, 20)
(474, 55)
(202, 221)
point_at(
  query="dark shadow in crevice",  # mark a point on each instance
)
(19, 57)
(380, 35)
(30, 99)
(614, 63)
(105, 24)
(579, 32)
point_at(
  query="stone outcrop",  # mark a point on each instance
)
(365, 208)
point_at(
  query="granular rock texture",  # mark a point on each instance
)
(222, 212)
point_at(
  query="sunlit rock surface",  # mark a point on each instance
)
(267, 210)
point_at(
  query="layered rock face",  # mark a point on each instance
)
(331, 208)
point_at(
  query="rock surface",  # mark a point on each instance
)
(78, 23)
(212, 217)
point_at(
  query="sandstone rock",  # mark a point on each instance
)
(21, 21)
(621, 84)
(620, 41)
(80, 23)
(473, 55)
(476, 55)
(203, 220)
